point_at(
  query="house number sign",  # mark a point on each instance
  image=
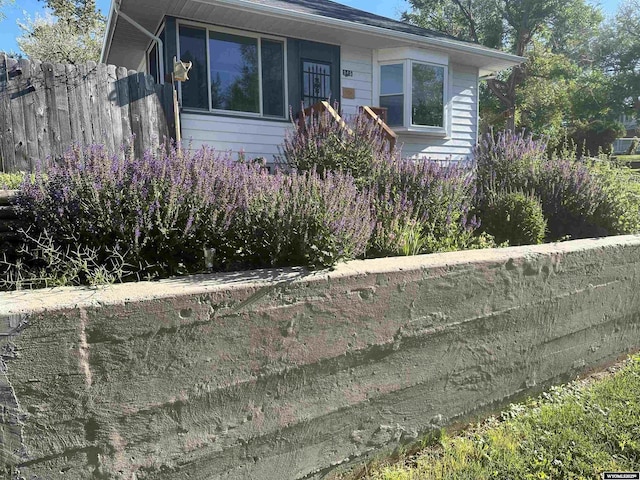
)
(347, 73)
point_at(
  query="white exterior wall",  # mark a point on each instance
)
(359, 61)
(261, 138)
(256, 137)
(462, 115)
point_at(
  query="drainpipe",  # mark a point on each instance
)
(119, 13)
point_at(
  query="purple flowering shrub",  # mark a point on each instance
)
(436, 198)
(419, 206)
(177, 211)
(303, 219)
(323, 144)
(579, 198)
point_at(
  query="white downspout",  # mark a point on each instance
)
(157, 39)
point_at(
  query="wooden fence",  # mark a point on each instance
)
(45, 108)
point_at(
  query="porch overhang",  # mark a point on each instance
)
(124, 44)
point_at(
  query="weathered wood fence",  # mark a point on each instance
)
(45, 108)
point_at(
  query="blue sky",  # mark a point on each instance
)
(390, 8)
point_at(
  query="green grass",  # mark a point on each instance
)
(628, 158)
(571, 432)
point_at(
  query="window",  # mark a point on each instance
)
(427, 90)
(153, 59)
(233, 72)
(414, 95)
(391, 92)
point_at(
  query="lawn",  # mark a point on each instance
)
(575, 431)
(628, 158)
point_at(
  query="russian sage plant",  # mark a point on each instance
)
(420, 206)
(579, 198)
(176, 211)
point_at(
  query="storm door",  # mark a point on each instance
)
(313, 73)
(316, 82)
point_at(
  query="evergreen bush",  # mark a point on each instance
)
(516, 218)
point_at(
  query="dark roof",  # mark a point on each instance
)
(327, 8)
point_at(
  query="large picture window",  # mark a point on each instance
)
(414, 95)
(233, 72)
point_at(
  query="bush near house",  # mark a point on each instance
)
(515, 217)
(97, 217)
(595, 136)
(419, 207)
(579, 198)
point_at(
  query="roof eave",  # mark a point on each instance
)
(494, 56)
(507, 58)
(109, 30)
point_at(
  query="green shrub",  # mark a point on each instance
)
(579, 199)
(11, 181)
(596, 136)
(619, 212)
(514, 217)
(633, 146)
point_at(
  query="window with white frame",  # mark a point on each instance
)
(414, 94)
(235, 72)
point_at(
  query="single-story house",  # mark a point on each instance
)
(253, 59)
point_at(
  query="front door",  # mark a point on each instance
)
(312, 73)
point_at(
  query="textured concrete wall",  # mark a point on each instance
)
(284, 374)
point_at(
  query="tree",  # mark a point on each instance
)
(619, 55)
(3, 4)
(513, 25)
(71, 33)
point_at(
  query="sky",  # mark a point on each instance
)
(389, 8)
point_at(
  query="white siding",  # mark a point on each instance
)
(358, 60)
(261, 138)
(256, 137)
(463, 115)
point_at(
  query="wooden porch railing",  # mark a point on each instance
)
(318, 108)
(378, 115)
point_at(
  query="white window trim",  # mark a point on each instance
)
(408, 127)
(243, 33)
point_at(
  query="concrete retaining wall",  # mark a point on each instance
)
(283, 374)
